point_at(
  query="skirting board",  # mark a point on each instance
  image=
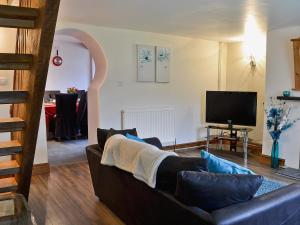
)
(254, 149)
(185, 145)
(39, 169)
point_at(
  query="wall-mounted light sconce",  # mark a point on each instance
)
(252, 62)
(254, 45)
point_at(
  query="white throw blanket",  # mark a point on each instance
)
(140, 159)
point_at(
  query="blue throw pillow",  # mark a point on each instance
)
(135, 138)
(218, 165)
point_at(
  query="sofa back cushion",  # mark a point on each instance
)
(210, 191)
(104, 134)
(166, 178)
(132, 132)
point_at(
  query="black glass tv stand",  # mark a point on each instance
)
(233, 137)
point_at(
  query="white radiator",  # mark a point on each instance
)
(154, 122)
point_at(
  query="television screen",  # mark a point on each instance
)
(227, 107)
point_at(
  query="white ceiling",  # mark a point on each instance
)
(211, 19)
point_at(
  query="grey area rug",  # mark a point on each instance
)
(290, 172)
(268, 186)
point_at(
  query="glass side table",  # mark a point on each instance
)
(14, 210)
(244, 133)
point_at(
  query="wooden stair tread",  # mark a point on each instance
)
(10, 147)
(10, 97)
(18, 17)
(9, 167)
(10, 120)
(11, 61)
(8, 184)
(8, 164)
(11, 124)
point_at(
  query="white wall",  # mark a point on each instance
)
(240, 77)
(41, 152)
(7, 45)
(76, 68)
(280, 77)
(194, 67)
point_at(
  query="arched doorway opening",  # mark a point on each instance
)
(94, 77)
(99, 77)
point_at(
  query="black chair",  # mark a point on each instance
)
(82, 119)
(50, 95)
(80, 93)
(65, 121)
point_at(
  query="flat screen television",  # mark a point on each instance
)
(232, 108)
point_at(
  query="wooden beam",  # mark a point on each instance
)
(296, 47)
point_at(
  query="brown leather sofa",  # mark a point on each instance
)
(137, 204)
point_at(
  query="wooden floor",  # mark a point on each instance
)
(66, 197)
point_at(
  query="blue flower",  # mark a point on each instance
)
(269, 124)
(275, 134)
(273, 112)
(286, 126)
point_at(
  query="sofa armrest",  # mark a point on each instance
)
(154, 141)
(94, 156)
(280, 207)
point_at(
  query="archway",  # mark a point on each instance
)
(100, 75)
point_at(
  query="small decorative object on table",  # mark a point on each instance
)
(278, 120)
(72, 90)
(286, 93)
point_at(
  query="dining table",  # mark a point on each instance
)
(50, 112)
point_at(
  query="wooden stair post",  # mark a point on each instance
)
(35, 21)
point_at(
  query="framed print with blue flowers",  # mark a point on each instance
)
(162, 65)
(146, 63)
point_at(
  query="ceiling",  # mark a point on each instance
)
(223, 20)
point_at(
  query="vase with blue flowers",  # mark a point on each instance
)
(278, 120)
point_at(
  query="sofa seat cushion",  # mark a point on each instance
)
(210, 191)
(167, 171)
(218, 165)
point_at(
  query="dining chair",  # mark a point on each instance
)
(82, 116)
(66, 117)
(50, 95)
(80, 93)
